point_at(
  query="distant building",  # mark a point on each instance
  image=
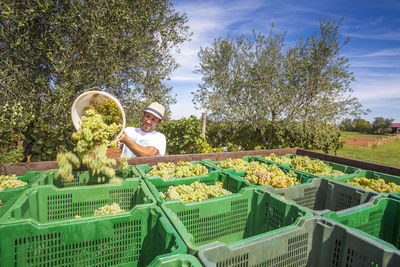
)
(396, 127)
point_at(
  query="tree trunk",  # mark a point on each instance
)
(271, 129)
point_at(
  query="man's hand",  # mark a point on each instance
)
(123, 138)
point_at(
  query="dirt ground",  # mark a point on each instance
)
(366, 140)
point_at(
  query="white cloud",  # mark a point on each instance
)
(385, 53)
(183, 109)
(377, 89)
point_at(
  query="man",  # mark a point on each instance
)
(145, 141)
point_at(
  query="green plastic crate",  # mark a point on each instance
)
(180, 260)
(323, 195)
(348, 170)
(83, 178)
(46, 204)
(231, 183)
(29, 177)
(315, 242)
(371, 175)
(144, 169)
(395, 195)
(8, 199)
(232, 218)
(380, 221)
(136, 238)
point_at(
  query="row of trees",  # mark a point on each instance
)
(258, 91)
(380, 125)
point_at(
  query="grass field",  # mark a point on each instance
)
(387, 154)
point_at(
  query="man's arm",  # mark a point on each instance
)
(138, 150)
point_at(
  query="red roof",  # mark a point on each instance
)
(397, 124)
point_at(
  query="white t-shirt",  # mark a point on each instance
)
(145, 139)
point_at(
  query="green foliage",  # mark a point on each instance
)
(381, 126)
(291, 95)
(12, 156)
(52, 51)
(356, 125)
(235, 136)
(183, 137)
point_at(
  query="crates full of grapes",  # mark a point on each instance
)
(47, 204)
(138, 237)
(381, 221)
(315, 242)
(316, 167)
(83, 178)
(171, 170)
(215, 184)
(257, 173)
(244, 216)
(323, 195)
(381, 183)
(118, 224)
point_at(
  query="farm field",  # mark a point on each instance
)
(372, 148)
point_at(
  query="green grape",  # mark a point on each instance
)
(236, 164)
(181, 169)
(109, 209)
(376, 185)
(278, 159)
(305, 164)
(1, 203)
(263, 174)
(10, 181)
(100, 163)
(123, 161)
(195, 192)
(99, 126)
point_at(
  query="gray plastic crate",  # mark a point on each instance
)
(323, 195)
(315, 242)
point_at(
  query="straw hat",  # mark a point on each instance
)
(156, 109)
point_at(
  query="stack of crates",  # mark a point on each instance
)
(347, 228)
(53, 224)
(322, 221)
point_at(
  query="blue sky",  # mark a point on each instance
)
(373, 52)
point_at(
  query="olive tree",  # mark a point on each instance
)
(276, 87)
(51, 51)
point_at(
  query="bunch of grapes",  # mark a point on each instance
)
(123, 161)
(94, 131)
(109, 209)
(67, 161)
(263, 174)
(236, 164)
(278, 159)
(10, 181)
(181, 169)
(100, 163)
(315, 167)
(195, 192)
(376, 185)
(99, 126)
